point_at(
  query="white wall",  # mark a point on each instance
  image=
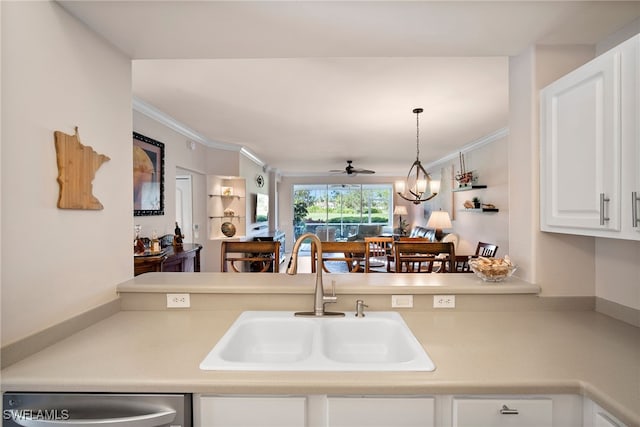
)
(563, 265)
(490, 162)
(56, 74)
(178, 156)
(618, 271)
(249, 170)
(200, 162)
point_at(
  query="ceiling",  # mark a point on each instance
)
(306, 85)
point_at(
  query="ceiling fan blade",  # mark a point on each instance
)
(350, 170)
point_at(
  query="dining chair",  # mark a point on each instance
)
(349, 253)
(255, 257)
(420, 257)
(377, 250)
(326, 233)
(487, 250)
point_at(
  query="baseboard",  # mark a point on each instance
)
(618, 311)
(18, 350)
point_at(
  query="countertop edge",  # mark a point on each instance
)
(379, 283)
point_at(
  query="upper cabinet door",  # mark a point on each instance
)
(631, 134)
(580, 148)
(588, 128)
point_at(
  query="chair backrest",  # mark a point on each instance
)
(487, 250)
(326, 233)
(260, 256)
(413, 239)
(420, 257)
(376, 248)
(351, 253)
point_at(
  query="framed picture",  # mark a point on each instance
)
(148, 176)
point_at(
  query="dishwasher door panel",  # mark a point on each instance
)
(96, 409)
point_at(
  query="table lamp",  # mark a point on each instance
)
(400, 210)
(439, 220)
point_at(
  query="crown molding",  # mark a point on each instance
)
(161, 117)
(255, 159)
(473, 145)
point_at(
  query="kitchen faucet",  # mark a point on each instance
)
(320, 297)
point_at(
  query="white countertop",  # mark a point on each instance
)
(372, 283)
(497, 351)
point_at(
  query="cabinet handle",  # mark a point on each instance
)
(634, 209)
(508, 411)
(160, 418)
(603, 199)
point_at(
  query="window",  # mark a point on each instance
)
(341, 207)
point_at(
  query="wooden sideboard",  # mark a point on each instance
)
(185, 259)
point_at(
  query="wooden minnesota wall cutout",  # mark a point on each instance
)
(77, 166)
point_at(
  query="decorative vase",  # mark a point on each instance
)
(228, 229)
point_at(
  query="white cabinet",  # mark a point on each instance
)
(498, 412)
(555, 410)
(380, 411)
(223, 411)
(589, 142)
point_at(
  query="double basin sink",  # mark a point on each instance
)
(279, 341)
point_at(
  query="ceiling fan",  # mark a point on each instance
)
(350, 170)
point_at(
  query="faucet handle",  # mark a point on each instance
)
(360, 305)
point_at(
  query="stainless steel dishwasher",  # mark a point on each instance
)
(96, 409)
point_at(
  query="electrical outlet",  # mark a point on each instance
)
(444, 301)
(178, 301)
(401, 301)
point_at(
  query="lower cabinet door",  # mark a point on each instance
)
(218, 411)
(380, 411)
(494, 412)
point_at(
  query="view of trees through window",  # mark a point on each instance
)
(341, 207)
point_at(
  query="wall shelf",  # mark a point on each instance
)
(226, 196)
(469, 187)
(481, 210)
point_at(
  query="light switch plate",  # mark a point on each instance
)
(401, 301)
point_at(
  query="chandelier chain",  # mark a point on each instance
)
(417, 136)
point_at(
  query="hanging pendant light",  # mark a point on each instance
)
(418, 187)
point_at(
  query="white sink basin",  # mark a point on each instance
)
(279, 341)
(269, 340)
(374, 340)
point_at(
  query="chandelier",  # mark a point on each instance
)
(418, 187)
